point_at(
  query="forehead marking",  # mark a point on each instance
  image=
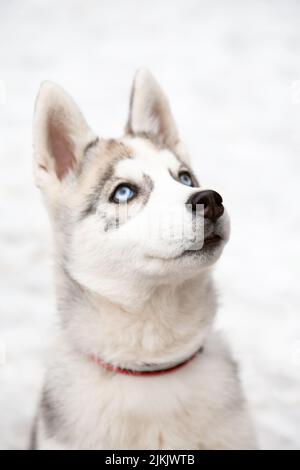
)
(112, 151)
(91, 144)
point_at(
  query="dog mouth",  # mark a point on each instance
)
(212, 239)
(210, 242)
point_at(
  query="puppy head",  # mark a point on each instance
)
(124, 209)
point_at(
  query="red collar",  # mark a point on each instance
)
(148, 372)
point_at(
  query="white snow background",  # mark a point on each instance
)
(232, 72)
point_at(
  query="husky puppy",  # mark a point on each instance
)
(136, 364)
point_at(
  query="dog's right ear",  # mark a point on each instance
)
(60, 134)
(150, 113)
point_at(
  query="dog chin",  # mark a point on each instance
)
(195, 256)
(208, 252)
(208, 246)
(190, 258)
(205, 256)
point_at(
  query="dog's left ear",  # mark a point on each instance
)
(150, 114)
(60, 135)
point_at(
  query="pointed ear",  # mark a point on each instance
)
(150, 114)
(60, 132)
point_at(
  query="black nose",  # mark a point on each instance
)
(211, 201)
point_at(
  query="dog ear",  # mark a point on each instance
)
(150, 114)
(60, 133)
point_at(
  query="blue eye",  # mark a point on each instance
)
(185, 178)
(123, 194)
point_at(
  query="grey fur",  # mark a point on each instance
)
(33, 436)
(91, 144)
(50, 415)
(112, 223)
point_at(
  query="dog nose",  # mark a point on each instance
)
(211, 201)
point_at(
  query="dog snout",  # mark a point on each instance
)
(211, 201)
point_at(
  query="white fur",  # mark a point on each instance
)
(129, 297)
(198, 407)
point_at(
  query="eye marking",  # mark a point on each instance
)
(123, 193)
(186, 178)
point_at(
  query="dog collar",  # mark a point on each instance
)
(150, 370)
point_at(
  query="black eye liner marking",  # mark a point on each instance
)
(91, 144)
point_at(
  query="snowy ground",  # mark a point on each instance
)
(232, 71)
